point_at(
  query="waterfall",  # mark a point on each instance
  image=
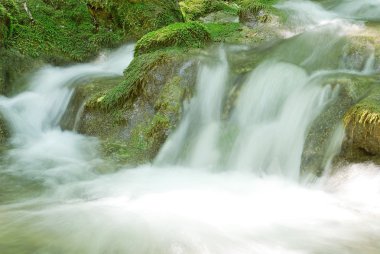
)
(228, 179)
(41, 149)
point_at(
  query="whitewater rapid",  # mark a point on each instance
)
(223, 183)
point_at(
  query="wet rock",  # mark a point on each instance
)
(362, 122)
(190, 34)
(351, 89)
(134, 118)
(83, 91)
(13, 68)
(208, 9)
(135, 17)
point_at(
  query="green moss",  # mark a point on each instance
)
(147, 137)
(257, 5)
(367, 111)
(135, 79)
(59, 31)
(8, 12)
(191, 34)
(261, 9)
(136, 17)
(224, 32)
(194, 9)
(12, 66)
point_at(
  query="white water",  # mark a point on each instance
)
(224, 183)
(41, 149)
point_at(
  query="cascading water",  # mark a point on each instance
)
(226, 181)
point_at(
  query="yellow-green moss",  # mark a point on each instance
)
(136, 17)
(8, 12)
(62, 31)
(261, 9)
(135, 79)
(367, 111)
(194, 9)
(224, 32)
(191, 34)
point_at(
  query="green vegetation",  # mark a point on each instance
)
(135, 79)
(8, 9)
(224, 32)
(136, 17)
(260, 10)
(58, 31)
(191, 34)
(134, 136)
(194, 9)
(75, 30)
(367, 111)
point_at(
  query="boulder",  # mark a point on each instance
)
(190, 34)
(136, 17)
(133, 118)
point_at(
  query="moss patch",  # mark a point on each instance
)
(133, 119)
(257, 10)
(367, 111)
(135, 80)
(8, 12)
(225, 32)
(58, 31)
(194, 9)
(136, 17)
(191, 34)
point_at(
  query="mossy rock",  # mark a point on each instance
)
(134, 118)
(135, 17)
(135, 82)
(191, 35)
(14, 67)
(57, 30)
(195, 9)
(352, 89)
(85, 89)
(362, 124)
(8, 12)
(4, 132)
(253, 12)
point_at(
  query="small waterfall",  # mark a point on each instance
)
(41, 149)
(227, 180)
(195, 143)
(273, 114)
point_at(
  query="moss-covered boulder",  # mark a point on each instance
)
(58, 31)
(191, 34)
(362, 124)
(4, 133)
(6, 20)
(84, 90)
(135, 17)
(196, 9)
(318, 144)
(134, 117)
(253, 12)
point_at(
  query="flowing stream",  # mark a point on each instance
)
(225, 181)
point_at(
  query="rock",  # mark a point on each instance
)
(13, 68)
(84, 90)
(220, 17)
(137, 17)
(253, 13)
(190, 34)
(134, 118)
(362, 124)
(351, 89)
(201, 9)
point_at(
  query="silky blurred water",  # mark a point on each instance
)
(223, 183)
